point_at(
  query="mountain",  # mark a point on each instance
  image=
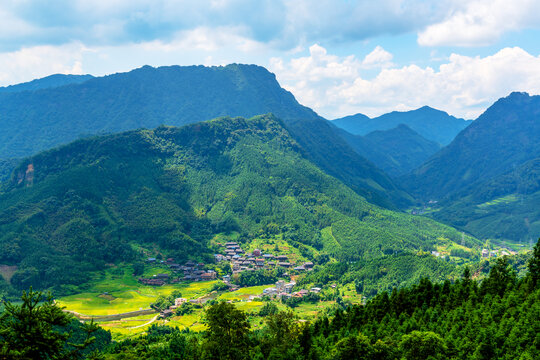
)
(505, 207)
(487, 178)
(504, 136)
(353, 124)
(397, 151)
(433, 124)
(148, 97)
(68, 211)
(47, 82)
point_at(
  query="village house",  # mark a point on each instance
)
(179, 301)
(151, 281)
(166, 313)
(219, 257)
(288, 287)
(315, 290)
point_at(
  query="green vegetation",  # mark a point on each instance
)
(487, 179)
(504, 208)
(167, 192)
(173, 95)
(493, 319)
(38, 329)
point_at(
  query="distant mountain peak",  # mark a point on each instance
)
(433, 124)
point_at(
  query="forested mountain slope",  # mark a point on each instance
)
(397, 151)
(503, 137)
(148, 97)
(70, 210)
(486, 180)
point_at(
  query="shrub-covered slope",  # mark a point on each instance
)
(73, 209)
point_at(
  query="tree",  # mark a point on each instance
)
(501, 277)
(534, 265)
(421, 345)
(34, 330)
(353, 347)
(227, 334)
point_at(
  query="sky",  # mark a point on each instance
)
(339, 57)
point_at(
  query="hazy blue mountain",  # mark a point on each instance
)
(47, 82)
(433, 124)
(353, 124)
(397, 151)
(148, 97)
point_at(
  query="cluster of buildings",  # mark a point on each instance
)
(494, 253)
(241, 261)
(190, 271)
(283, 291)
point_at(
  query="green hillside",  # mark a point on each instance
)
(504, 208)
(486, 180)
(169, 191)
(148, 97)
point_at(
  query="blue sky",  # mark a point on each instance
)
(338, 57)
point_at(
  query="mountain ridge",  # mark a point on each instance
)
(177, 95)
(433, 124)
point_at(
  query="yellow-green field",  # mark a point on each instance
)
(117, 291)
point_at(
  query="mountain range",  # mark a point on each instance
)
(68, 211)
(434, 125)
(397, 151)
(148, 97)
(487, 178)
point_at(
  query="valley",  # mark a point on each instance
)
(144, 228)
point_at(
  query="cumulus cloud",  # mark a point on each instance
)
(378, 58)
(463, 86)
(188, 47)
(481, 22)
(39, 61)
(280, 23)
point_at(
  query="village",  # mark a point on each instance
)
(240, 262)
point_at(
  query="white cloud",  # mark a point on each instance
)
(378, 58)
(481, 22)
(188, 47)
(463, 86)
(39, 61)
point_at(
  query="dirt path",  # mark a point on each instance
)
(111, 317)
(148, 323)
